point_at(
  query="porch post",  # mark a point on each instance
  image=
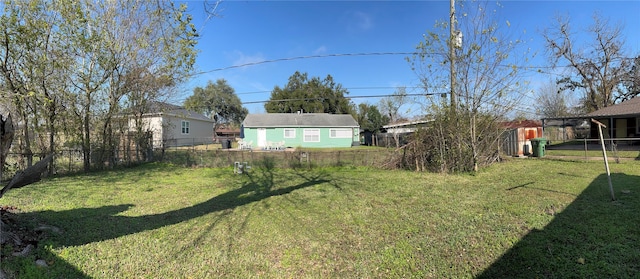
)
(564, 130)
(611, 128)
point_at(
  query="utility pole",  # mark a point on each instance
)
(452, 51)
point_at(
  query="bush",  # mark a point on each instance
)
(451, 143)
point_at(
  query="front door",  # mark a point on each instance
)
(621, 128)
(262, 137)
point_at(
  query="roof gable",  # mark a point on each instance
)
(521, 124)
(160, 108)
(628, 107)
(299, 120)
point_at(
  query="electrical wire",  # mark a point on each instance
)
(304, 57)
(346, 97)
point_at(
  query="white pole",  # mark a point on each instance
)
(604, 154)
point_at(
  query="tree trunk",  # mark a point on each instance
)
(30, 175)
(6, 138)
(52, 133)
(27, 140)
(86, 142)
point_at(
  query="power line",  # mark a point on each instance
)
(305, 57)
(347, 88)
(346, 97)
(363, 54)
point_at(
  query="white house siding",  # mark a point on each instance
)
(153, 124)
(200, 132)
(167, 131)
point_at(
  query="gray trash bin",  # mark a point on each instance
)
(226, 144)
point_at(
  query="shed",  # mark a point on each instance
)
(518, 135)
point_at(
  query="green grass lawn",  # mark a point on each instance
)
(529, 218)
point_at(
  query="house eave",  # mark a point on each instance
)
(300, 126)
(176, 115)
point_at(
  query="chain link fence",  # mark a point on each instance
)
(282, 159)
(72, 161)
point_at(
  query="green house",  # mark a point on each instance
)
(279, 130)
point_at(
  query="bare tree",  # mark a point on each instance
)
(552, 101)
(390, 107)
(632, 80)
(596, 70)
(488, 86)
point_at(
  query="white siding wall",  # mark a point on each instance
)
(153, 124)
(200, 132)
(167, 129)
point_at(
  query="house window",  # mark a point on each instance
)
(637, 126)
(311, 135)
(340, 133)
(289, 133)
(185, 127)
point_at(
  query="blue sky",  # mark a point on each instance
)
(256, 31)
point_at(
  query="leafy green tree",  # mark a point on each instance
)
(84, 61)
(31, 67)
(309, 95)
(370, 118)
(217, 101)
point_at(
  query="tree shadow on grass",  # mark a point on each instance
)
(593, 237)
(87, 225)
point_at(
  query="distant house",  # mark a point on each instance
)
(622, 120)
(406, 127)
(171, 125)
(397, 134)
(300, 130)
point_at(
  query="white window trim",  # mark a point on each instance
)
(348, 135)
(311, 132)
(293, 133)
(184, 125)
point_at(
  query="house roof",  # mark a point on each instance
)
(628, 107)
(227, 130)
(521, 124)
(161, 108)
(299, 120)
(407, 124)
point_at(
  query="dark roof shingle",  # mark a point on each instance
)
(159, 108)
(299, 120)
(628, 107)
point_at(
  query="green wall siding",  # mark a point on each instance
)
(277, 135)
